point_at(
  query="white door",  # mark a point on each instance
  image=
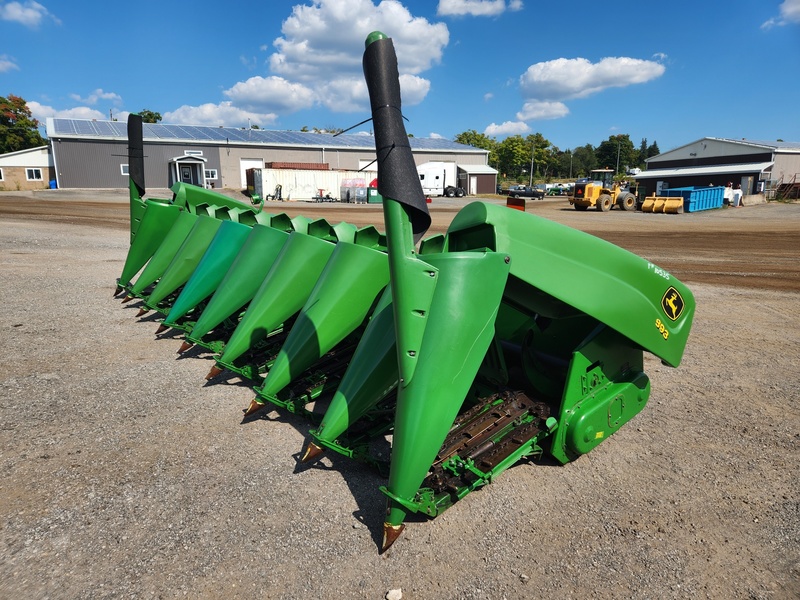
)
(473, 185)
(249, 163)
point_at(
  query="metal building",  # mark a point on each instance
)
(759, 167)
(93, 154)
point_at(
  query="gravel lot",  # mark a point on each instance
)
(123, 475)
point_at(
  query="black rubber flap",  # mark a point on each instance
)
(397, 173)
(136, 152)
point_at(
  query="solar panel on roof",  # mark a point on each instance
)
(105, 128)
(233, 134)
(85, 127)
(64, 125)
(158, 131)
(88, 128)
(198, 133)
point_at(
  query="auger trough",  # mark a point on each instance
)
(469, 352)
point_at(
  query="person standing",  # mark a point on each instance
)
(737, 197)
(727, 195)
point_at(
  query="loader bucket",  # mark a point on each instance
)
(243, 278)
(284, 290)
(663, 204)
(210, 271)
(185, 260)
(673, 205)
(345, 292)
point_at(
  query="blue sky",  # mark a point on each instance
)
(576, 71)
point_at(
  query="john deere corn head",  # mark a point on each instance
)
(469, 351)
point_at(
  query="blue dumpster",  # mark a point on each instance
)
(699, 197)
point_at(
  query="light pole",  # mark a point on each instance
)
(618, 143)
(570, 164)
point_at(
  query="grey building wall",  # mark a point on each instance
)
(787, 166)
(90, 164)
(157, 161)
(98, 164)
(82, 163)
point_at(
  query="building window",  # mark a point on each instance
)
(1, 174)
(210, 173)
(33, 174)
(124, 169)
(193, 153)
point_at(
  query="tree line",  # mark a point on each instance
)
(534, 158)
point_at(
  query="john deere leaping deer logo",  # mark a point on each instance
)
(672, 303)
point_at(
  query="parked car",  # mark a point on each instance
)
(522, 191)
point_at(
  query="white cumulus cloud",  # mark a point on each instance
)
(317, 62)
(566, 78)
(507, 128)
(96, 95)
(330, 34)
(789, 11)
(476, 8)
(28, 13)
(541, 110)
(270, 94)
(222, 114)
(41, 111)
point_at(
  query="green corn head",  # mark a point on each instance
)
(509, 338)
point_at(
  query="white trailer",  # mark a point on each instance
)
(439, 178)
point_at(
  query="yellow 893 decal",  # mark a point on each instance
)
(662, 329)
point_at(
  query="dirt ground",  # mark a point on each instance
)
(123, 475)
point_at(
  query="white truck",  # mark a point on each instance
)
(439, 178)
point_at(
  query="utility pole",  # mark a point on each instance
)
(617, 171)
(570, 164)
(533, 152)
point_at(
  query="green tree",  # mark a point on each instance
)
(617, 153)
(544, 156)
(514, 157)
(652, 150)
(642, 153)
(479, 140)
(149, 116)
(18, 129)
(564, 165)
(583, 160)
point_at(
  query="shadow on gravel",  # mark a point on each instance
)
(362, 479)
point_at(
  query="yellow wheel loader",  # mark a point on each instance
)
(601, 192)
